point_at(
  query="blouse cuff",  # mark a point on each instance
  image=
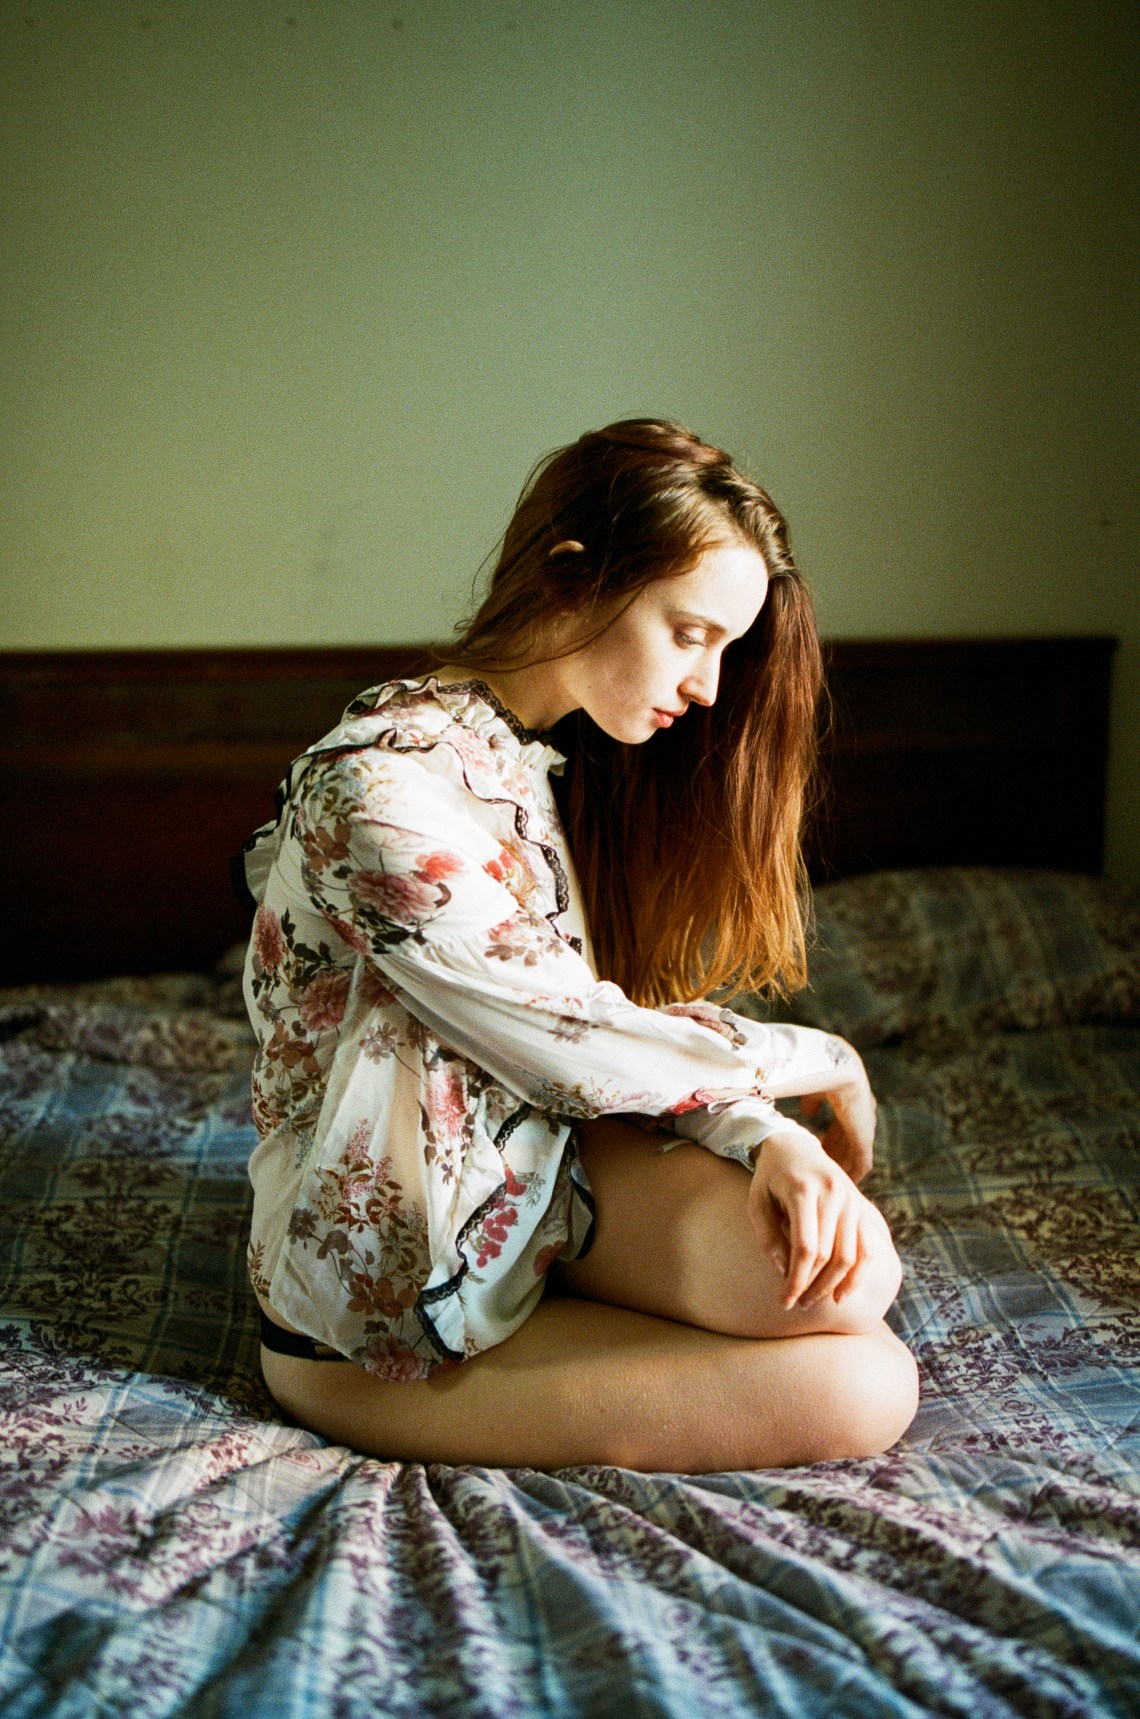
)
(736, 1131)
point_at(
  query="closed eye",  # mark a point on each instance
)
(687, 639)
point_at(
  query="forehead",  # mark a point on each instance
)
(727, 587)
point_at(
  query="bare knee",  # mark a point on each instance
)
(863, 1311)
(860, 1313)
(872, 1384)
(896, 1391)
(844, 1397)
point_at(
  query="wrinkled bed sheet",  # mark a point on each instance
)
(168, 1545)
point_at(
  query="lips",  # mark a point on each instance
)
(666, 718)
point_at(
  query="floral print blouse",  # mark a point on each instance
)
(430, 1027)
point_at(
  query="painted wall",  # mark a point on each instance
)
(295, 291)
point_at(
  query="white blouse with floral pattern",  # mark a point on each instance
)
(430, 1025)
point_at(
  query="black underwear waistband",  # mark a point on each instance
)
(282, 1342)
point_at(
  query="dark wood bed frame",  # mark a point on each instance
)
(127, 778)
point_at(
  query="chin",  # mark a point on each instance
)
(635, 732)
(627, 727)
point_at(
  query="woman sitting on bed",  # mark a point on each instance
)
(522, 1194)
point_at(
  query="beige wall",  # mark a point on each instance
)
(294, 293)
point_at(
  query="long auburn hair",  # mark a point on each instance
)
(687, 847)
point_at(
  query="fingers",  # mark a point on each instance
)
(853, 1154)
(765, 1215)
(818, 1223)
(850, 1139)
(849, 1284)
(814, 1223)
(804, 1257)
(843, 1264)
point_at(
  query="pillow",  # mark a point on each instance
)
(901, 953)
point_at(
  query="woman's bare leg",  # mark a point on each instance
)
(582, 1382)
(673, 1237)
(680, 1357)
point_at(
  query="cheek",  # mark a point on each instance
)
(637, 677)
(620, 671)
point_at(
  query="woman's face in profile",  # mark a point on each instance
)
(663, 651)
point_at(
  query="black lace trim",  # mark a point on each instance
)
(442, 1291)
(488, 694)
(491, 697)
(518, 813)
(512, 1122)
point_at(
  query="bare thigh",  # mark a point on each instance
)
(582, 1382)
(673, 1238)
(665, 1348)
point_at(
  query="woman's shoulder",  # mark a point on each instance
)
(414, 710)
(463, 715)
(406, 715)
(418, 711)
(403, 753)
(405, 738)
(388, 726)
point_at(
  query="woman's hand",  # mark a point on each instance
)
(850, 1137)
(815, 1224)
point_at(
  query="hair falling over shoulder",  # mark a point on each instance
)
(688, 847)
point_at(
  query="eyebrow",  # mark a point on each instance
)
(698, 620)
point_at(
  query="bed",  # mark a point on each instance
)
(168, 1544)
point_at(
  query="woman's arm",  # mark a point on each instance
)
(814, 1066)
(850, 1135)
(412, 881)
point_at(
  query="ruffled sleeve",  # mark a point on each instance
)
(402, 870)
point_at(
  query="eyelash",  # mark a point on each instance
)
(687, 639)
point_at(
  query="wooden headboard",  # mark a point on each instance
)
(127, 778)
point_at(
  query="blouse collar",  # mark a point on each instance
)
(478, 692)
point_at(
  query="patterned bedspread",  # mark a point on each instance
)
(168, 1545)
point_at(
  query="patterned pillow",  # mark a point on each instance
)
(969, 949)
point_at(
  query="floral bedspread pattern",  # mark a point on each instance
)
(169, 1546)
(429, 1027)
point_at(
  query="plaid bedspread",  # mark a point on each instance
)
(168, 1545)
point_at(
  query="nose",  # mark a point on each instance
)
(700, 684)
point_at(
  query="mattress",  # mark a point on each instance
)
(169, 1544)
